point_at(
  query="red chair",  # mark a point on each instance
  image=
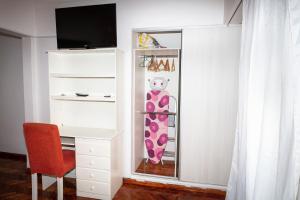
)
(46, 155)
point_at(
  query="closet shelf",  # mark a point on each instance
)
(58, 75)
(88, 98)
(161, 113)
(158, 52)
(169, 154)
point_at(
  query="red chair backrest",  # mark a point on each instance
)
(44, 149)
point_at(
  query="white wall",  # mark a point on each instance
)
(18, 16)
(43, 45)
(37, 19)
(12, 95)
(131, 14)
(139, 14)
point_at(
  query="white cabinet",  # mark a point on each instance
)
(96, 166)
(209, 88)
(94, 119)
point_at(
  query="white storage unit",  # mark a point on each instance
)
(207, 105)
(98, 167)
(93, 120)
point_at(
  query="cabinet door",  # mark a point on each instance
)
(209, 103)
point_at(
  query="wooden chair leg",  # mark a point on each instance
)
(34, 186)
(60, 188)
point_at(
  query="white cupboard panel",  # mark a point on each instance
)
(208, 103)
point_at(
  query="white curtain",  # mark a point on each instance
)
(266, 160)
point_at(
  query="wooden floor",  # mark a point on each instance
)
(15, 183)
(167, 169)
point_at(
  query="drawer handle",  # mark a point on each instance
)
(92, 162)
(91, 150)
(92, 175)
(92, 188)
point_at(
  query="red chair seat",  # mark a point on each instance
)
(69, 160)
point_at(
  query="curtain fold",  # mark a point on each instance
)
(266, 156)
(294, 10)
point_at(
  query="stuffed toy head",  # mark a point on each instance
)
(158, 83)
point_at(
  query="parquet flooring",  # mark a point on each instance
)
(15, 184)
(167, 169)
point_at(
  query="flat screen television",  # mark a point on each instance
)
(86, 27)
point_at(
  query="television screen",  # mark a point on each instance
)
(86, 26)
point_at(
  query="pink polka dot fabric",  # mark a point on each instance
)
(156, 125)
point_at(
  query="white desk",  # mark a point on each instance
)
(98, 161)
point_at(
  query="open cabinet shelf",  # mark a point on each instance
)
(88, 98)
(158, 52)
(55, 75)
(92, 72)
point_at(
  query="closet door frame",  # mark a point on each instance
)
(136, 142)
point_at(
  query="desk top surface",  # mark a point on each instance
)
(81, 132)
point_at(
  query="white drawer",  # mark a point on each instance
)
(93, 195)
(93, 162)
(93, 175)
(93, 147)
(93, 187)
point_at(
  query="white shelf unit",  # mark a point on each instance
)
(94, 120)
(139, 76)
(93, 72)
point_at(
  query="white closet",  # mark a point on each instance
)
(209, 86)
(207, 103)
